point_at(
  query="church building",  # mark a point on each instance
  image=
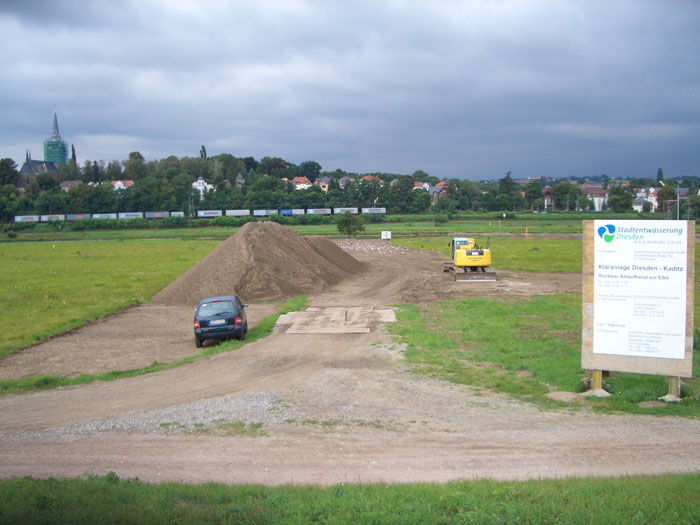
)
(55, 154)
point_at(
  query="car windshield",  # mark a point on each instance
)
(216, 308)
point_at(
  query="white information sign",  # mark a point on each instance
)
(640, 280)
(386, 235)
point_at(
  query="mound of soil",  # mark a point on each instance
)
(263, 261)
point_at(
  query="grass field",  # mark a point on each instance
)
(48, 288)
(398, 225)
(523, 347)
(669, 499)
(516, 254)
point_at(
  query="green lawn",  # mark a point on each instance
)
(671, 499)
(48, 288)
(513, 253)
(522, 347)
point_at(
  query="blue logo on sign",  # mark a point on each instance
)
(607, 232)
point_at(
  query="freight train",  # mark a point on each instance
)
(201, 214)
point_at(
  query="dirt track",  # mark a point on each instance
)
(333, 407)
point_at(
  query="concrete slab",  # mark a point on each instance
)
(336, 320)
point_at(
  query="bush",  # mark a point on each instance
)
(441, 219)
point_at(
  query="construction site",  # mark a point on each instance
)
(329, 390)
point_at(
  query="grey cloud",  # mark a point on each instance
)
(454, 88)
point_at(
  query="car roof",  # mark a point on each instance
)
(218, 298)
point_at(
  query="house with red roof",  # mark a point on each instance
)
(301, 183)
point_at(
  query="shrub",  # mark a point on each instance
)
(441, 219)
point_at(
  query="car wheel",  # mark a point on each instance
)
(197, 342)
(241, 336)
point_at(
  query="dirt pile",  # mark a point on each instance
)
(262, 261)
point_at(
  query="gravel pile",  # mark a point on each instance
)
(370, 247)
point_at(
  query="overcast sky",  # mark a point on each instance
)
(458, 89)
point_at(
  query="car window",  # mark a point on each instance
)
(216, 308)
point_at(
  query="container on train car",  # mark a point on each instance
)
(340, 211)
(373, 210)
(264, 213)
(77, 216)
(53, 218)
(156, 214)
(209, 213)
(131, 215)
(104, 215)
(237, 213)
(318, 211)
(177, 213)
(26, 218)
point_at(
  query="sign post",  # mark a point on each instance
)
(638, 299)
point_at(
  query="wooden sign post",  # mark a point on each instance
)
(638, 299)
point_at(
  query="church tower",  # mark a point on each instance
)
(55, 150)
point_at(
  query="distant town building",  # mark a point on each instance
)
(31, 168)
(596, 194)
(323, 183)
(202, 187)
(121, 184)
(301, 183)
(68, 184)
(55, 154)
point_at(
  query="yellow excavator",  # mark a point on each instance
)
(469, 260)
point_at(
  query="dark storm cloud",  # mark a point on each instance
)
(467, 89)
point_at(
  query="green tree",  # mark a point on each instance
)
(506, 185)
(46, 181)
(8, 172)
(69, 171)
(664, 195)
(114, 170)
(203, 152)
(52, 202)
(309, 169)
(566, 195)
(659, 175)
(135, 166)
(620, 200)
(349, 224)
(533, 191)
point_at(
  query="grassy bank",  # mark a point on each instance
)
(525, 348)
(106, 500)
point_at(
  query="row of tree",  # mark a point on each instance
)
(166, 185)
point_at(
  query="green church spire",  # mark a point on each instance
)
(55, 150)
